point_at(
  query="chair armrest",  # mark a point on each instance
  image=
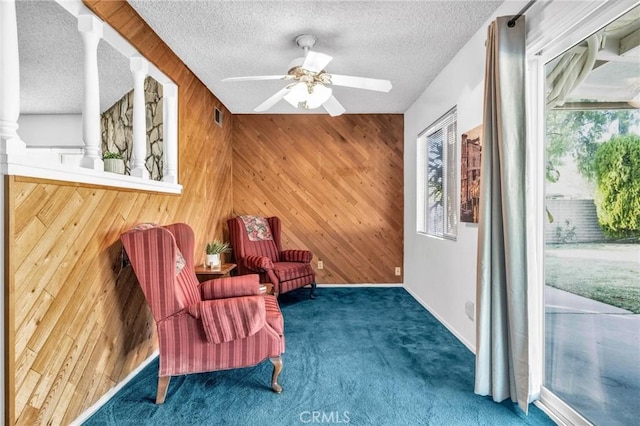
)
(230, 319)
(257, 263)
(222, 288)
(302, 256)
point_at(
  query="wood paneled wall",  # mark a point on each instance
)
(336, 183)
(78, 325)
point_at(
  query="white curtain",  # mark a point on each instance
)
(503, 365)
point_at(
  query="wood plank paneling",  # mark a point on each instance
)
(76, 324)
(336, 183)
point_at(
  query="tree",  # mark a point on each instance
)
(579, 133)
(435, 181)
(617, 170)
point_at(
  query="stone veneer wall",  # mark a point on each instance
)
(117, 128)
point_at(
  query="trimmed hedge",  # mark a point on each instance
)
(617, 164)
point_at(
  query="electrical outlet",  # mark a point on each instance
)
(398, 271)
(320, 264)
(470, 310)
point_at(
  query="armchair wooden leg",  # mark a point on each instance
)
(163, 385)
(277, 368)
(313, 294)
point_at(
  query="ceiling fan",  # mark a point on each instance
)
(309, 82)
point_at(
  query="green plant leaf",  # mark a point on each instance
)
(216, 247)
(617, 198)
(107, 155)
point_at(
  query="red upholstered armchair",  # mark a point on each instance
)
(257, 249)
(219, 324)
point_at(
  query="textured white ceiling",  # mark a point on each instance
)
(407, 42)
(51, 62)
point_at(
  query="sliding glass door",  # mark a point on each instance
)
(592, 231)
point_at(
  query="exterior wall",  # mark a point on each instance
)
(574, 221)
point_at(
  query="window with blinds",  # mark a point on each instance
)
(437, 178)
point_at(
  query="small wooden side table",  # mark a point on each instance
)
(205, 273)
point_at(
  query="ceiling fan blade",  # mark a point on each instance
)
(255, 78)
(361, 82)
(333, 107)
(272, 100)
(316, 61)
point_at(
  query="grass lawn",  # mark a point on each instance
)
(608, 273)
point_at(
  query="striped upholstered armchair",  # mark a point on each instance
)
(258, 250)
(217, 325)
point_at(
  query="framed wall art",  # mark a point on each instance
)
(470, 175)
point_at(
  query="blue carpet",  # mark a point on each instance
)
(360, 356)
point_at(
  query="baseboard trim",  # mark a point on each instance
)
(107, 396)
(468, 344)
(363, 285)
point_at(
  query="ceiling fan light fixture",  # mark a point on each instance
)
(308, 96)
(318, 96)
(297, 94)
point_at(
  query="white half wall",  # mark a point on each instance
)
(59, 130)
(441, 274)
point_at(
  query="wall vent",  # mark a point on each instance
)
(217, 116)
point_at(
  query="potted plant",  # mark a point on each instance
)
(214, 249)
(113, 162)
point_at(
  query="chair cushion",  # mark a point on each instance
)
(225, 320)
(286, 271)
(274, 315)
(221, 288)
(302, 256)
(257, 228)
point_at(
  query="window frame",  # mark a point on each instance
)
(553, 27)
(447, 228)
(561, 26)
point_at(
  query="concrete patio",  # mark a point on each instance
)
(593, 357)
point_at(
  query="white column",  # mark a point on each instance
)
(139, 68)
(170, 133)
(91, 31)
(10, 143)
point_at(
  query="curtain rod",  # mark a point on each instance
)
(512, 21)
